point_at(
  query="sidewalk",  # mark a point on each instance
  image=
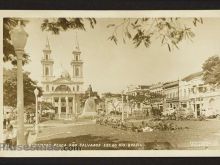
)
(54, 124)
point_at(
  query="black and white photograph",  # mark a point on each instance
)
(123, 83)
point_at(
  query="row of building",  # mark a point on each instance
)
(189, 94)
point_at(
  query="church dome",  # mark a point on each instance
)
(65, 74)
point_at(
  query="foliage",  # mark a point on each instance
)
(56, 25)
(156, 111)
(170, 31)
(8, 49)
(211, 71)
(53, 25)
(144, 126)
(146, 97)
(10, 88)
(44, 106)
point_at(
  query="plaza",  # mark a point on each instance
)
(200, 135)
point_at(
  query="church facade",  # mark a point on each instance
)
(63, 91)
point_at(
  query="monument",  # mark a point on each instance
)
(90, 109)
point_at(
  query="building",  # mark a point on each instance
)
(139, 91)
(171, 92)
(202, 98)
(158, 101)
(64, 90)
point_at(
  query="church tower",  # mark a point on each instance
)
(77, 68)
(47, 65)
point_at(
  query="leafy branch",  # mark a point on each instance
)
(171, 31)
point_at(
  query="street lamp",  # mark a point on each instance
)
(122, 115)
(40, 100)
(36, 92)
(19, 39)
(128, 107)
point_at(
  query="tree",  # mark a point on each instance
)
(53, 25)
(10, 88)
(211, 71)
(170, 31)
(56, 25)
(44, 106)
(8, 49)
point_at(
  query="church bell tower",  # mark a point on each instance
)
(47, 66)
(77, 67)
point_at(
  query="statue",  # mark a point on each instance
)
(90, 105)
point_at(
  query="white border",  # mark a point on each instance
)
(102, 14)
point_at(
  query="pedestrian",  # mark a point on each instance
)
(28, 117)
(11, 136)
(4, 122)
(7, 118)
(31, 118)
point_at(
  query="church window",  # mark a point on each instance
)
(52, 88)
(47, 71)
(73, 89)
(46, 56)
(77, 58)
(77, 71)
(47, 88)
(77, 87)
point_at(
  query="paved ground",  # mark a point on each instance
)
(200, 135)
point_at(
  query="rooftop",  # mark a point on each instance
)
(192, 76)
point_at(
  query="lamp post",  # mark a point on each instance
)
(19, 39)
(36, 92)
(122, 115)
(40, 100)
(128, 107)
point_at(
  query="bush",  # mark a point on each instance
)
(212, 116)
(115, 113)
(156, 112)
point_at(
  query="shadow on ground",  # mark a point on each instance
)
(90, 142)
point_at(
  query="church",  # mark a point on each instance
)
(63, 91)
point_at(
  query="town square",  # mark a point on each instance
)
(112, 83)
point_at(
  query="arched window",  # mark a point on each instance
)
(47, 88)
(77, 57)
(46, 56)
(77, 71)
(77, 87)
(47, 71)
(52, 88)
(73, 89)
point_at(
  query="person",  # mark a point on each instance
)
(10, 136)
(4, 122)
(7, 118)
(31, 118)
(28, 117)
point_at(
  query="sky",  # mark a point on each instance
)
(111, 68)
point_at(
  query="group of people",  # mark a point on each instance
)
(7, 119)
(10, 133)
(29, 118)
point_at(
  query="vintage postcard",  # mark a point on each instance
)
(110, 83)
